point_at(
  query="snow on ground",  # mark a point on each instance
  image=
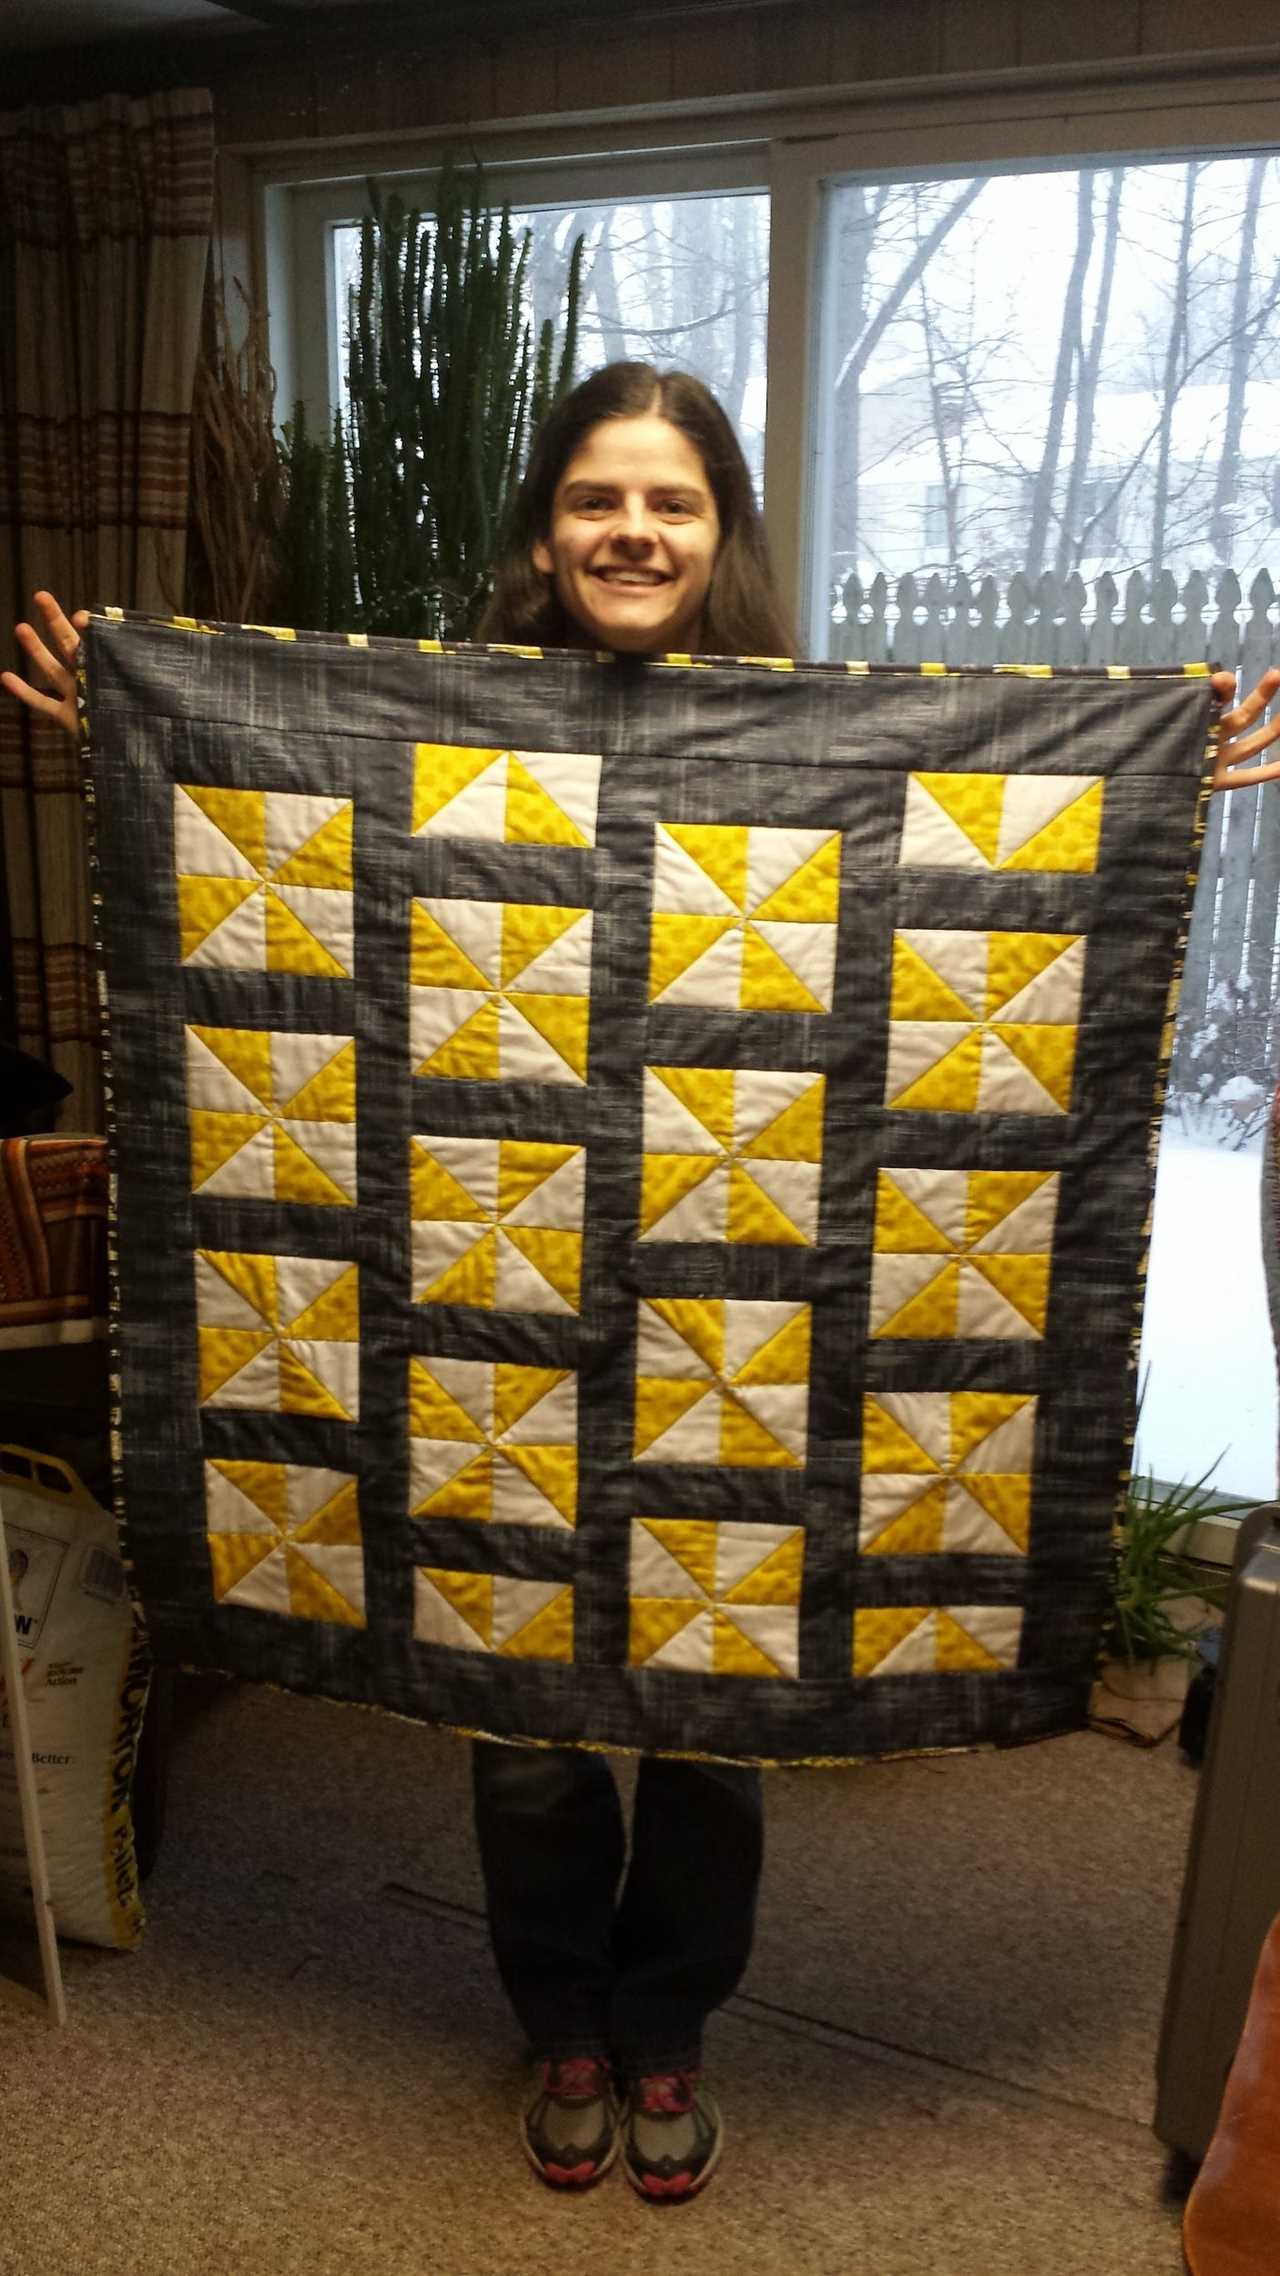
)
(1206, 1332)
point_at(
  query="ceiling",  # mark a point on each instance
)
(28, 27)
(36, 27)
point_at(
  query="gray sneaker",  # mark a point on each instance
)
(570, 2125)
(672, 2136)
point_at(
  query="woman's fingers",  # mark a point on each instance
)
(1234, 745)
(50, 705)
(61, 631)
(50, 666)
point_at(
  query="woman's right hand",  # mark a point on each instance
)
(53, 652)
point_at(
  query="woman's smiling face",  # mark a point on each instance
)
(634, 537)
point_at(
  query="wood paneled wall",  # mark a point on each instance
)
(332, 81)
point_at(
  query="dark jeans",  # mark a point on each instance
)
(591, 1972)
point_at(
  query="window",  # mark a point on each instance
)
(897, 383)
(681, 281)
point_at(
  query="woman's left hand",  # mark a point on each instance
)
(1235, 744)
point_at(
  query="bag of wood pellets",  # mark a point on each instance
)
(85, 1678)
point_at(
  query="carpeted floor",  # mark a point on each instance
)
(940, 2065)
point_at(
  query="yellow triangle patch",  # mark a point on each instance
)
(251, 1276)
(745, 1442)
(951, 1085)
(548, 1636)
(435, 1194)
(469, 1594)
(795, 1135)
(215, 1138)
(753, 1216)
(655, 1620)
(533, 817)
(769, 985)
(325, 857)
(890, 1449)
(719, 849)
(556, 1256)
(435, 1413)
(975, 1414)
(902, 1228)
(692, 1542)
(698, 1321)
(661, 1402)
(666, 1179)
(440, 772)
(223, 1352)
(245, 1052)
(918, 992)
(993, 1195)
(523, 1166)
(292, 948)
(299, 1178)
(677, 942)
(916, 1531)
(775, 1580)
(974, 802)
(330, 1095)
(553, 1470)
(471, 1053)
(784, 1357)
(561, 1021)
(337, 1523)
(529, 929)
(1022, 1281)
(435, 959)
(935, 1311)
(1070, 841)
(1006, 1500)
(959, 1652)
(1048, 1052)
(232, 1555)
(241, 815)
(302, 1392)
(1014, 960)
(879, 1629)
(334, 1316)
(471, 1279)
(469, 1493)
(517, 1389)
(312, 1595)
(732, 1653)
(707, 1093)
(811, 895)
(203, 904)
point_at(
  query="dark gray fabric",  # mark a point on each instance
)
(815, 748)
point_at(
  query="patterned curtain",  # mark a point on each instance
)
(105, 215)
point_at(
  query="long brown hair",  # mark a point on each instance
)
(743, 614)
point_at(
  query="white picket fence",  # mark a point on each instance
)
(1229, 1020)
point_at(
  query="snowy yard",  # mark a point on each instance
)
(1206, 1332)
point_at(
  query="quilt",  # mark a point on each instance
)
(631, 1178)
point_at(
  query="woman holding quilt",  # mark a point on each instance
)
(635, 530)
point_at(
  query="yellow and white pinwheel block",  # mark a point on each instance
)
(945, 1471)
(499, 991)
(1049, 822)
(722, 1381)
(264, 880)
(744, 918)
(962, 1252)
(491, 1612)
(921, 1639)
(278, 1333)
(513, 798)
(984, 1022)
(273, 1115)
(714, 1598)
(284, 1537)
(497, 1222)
(731, 1154)
(493, 1441)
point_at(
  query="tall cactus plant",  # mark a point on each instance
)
(446, 385)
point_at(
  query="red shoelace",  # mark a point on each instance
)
(667, 2093)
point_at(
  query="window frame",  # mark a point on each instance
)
(795, 148)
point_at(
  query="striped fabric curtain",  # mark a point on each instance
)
(105, 212)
